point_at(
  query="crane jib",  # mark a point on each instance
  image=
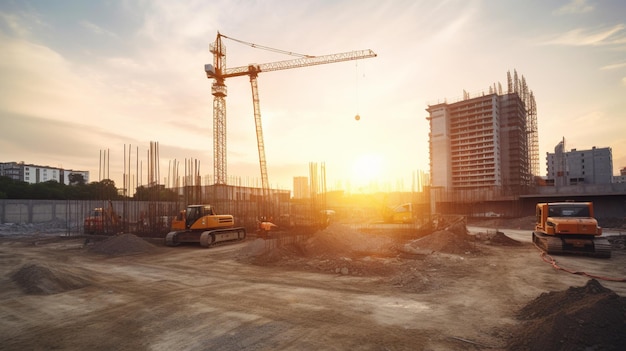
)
(297, 63)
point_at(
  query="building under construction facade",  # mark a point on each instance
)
(488, 142)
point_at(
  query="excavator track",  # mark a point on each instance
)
(170, 239)
(548, 244)
(205, 238)
(602, 247)
(555, 245)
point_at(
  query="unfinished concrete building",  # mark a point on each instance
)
(488, 142)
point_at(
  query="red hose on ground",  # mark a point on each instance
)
(549, 259)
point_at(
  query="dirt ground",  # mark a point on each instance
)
(338, 289)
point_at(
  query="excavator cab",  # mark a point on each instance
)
(196, 212)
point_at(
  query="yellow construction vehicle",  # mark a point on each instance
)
(103, 221)
(201, 224)
(404, 213)
(569, 227)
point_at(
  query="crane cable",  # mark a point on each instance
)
(549, 259)
(256, 46)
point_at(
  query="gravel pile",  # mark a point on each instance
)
(123, 244)
(37, 279)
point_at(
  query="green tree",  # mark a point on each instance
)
(50, 190)
(103, 190)
(155, 193)
(15, 189)
(76, 179)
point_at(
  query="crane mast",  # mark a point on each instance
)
(219, 73)
(219, 92)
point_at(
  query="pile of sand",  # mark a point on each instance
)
(584, 318)
(452, 240)
(336, 249)
(340, 240)
(500, 239)
(36, 279)
(496, 238)
(124, 244)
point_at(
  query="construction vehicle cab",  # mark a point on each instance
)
(569, 227)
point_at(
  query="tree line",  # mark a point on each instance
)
(79, 190)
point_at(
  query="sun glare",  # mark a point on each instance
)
(367, 168)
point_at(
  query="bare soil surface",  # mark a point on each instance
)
(338, 289)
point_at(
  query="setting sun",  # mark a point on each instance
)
(366, 168)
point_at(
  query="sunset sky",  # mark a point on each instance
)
(79, 77)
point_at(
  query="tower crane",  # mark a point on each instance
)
(219, 72)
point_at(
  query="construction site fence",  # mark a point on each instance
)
(144, 218)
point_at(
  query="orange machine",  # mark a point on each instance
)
(103, 221)
(201, 224)
(569, 227)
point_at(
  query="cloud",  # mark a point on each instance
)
(19, 24)
(97, 29)
(52, 141)
(613, 66)
(587, 37)
(573, 7)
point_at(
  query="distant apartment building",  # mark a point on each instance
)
(301, 187)
(593, 166)
(621, 178)
(484, 142)
(33, 174)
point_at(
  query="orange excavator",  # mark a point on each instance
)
(201, 224)
(569, 228)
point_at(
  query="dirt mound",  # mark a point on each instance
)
(453, 240)
(336, 240)
(124, 244)
(591, 317)
(341, 240)
(336, 249)
(36, 279)
(501, 239)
